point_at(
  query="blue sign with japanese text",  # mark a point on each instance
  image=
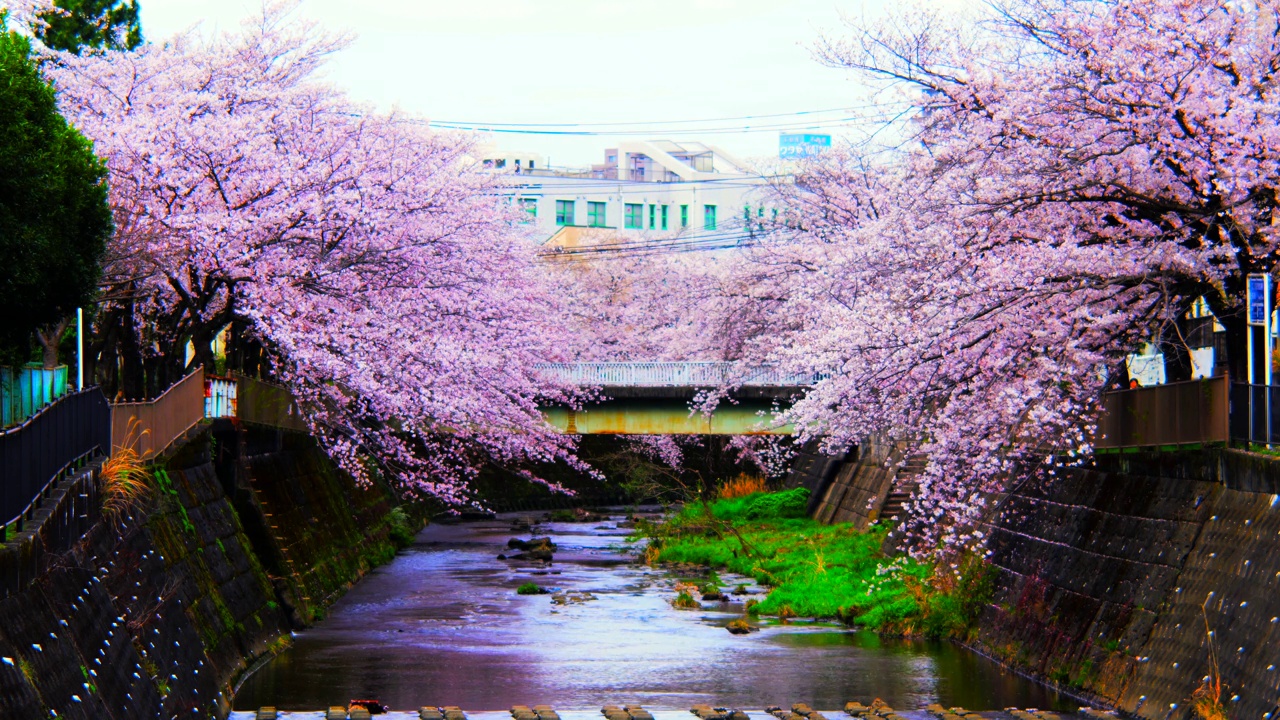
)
(798, 145)
(1256, 292)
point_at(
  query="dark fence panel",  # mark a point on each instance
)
(74, 428)
(265, 403)
(1250, 407)
(1195, 411)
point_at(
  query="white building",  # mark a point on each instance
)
(647, 189)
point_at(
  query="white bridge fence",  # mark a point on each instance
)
(671, 374)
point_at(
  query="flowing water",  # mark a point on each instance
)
(442, 625)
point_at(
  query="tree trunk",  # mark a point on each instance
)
(49, 337)
(1237, 359)
(1177, 356)
(132, 377)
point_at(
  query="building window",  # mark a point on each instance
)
(635, 216)
(653, 216)
(709, 217)
(530, 207)
(684, 216)
(564, 212)
(664, 216)
(595, 214)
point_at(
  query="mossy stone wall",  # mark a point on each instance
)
(1103, 576)
(160, 614)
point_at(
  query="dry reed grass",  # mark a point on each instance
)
(126, 481)
(1206, 701)
(741, 486)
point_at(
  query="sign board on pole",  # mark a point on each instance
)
(799, 145)
(1258, 287)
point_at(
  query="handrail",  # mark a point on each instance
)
(151, 426)
(673, 374)
(36, 453)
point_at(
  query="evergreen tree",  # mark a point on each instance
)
(54, 216)
(93, 23)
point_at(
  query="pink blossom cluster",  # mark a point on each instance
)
(1075, 174)
(368, 253)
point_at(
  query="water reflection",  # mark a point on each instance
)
(443, 625)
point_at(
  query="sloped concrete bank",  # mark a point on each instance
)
(1120, 580)
(251, 533)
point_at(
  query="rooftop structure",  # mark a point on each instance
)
(645, 189)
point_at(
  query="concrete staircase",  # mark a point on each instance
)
(904, 486)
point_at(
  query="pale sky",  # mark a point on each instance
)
(577, 61)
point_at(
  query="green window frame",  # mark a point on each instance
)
(530, 208)
(564, 212)
(634, 218)
(684, 216)
(709, 217)
(596, 214)
(653, 216)
(664, 216)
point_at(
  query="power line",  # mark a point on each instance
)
(654, 122)
(604, 186)
(717, 241)
(846, 121)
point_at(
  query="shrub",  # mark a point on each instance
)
(742, 485)
(400, 528)
(531, 588)
(685, 600)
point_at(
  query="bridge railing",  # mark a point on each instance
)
(672, 374)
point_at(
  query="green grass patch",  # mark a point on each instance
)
(530, 588)
(814, 570)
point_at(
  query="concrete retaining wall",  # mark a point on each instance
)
(860, 486)
(158, 614)
(1103, 575)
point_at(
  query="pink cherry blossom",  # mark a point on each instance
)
(365, 251)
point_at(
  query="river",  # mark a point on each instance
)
(442, 625)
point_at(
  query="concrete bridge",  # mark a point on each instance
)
(652, 398)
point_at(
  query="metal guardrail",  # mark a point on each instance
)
(1181, 413)
(82, 425)
(671, 374)
(151, 427)
(1255, 413)
(59, 438)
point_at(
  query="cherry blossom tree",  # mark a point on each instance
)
(652, 307)
(1076, 174)
(365, 256)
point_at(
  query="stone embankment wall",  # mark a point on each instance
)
(159, 614)
(1120, 581)
(859, 487)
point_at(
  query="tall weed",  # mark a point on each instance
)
(742, 485)
(126, 481)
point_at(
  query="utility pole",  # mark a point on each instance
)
(79, 349)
